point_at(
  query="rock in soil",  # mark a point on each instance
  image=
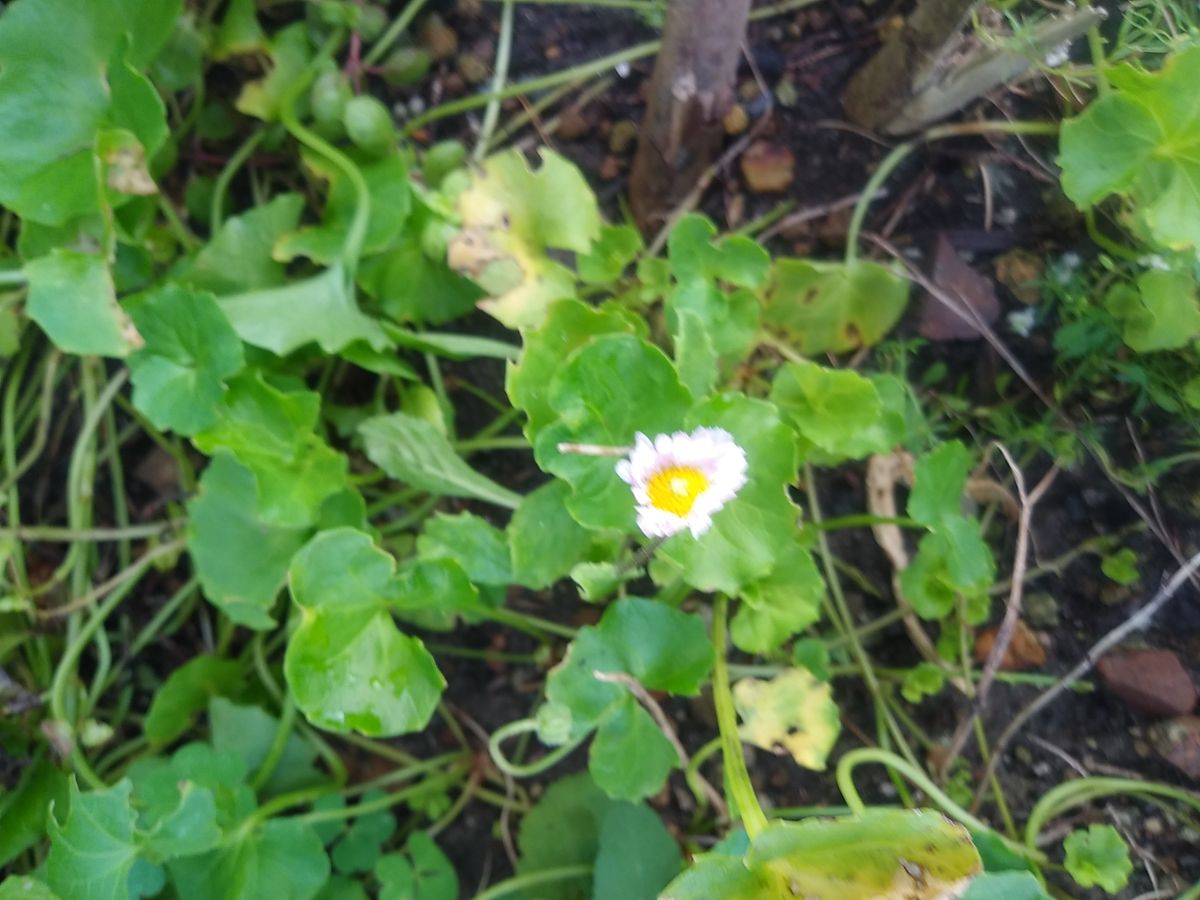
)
(1178, 742)
(622, 136)
(1024, 651)
(768, 167)
(1152, 682)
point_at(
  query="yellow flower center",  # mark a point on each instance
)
(676, 488)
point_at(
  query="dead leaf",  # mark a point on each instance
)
(966, 286)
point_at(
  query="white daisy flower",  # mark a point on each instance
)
(680, 480)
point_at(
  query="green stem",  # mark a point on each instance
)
(428, 785)
(543, 876)
(393, 32)
(53, 534)
(526, 726)
(1083, 790)
(491, 115)
(845, 782)
(283, 729)
(232, 165)
(357, 233)
(736, 775)
(529, 624)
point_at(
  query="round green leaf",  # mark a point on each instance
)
(608, 390)
(347, 664)
(190, 349)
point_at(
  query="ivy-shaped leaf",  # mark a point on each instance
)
(272, 433)
(751, 531)
(348, 665)
(823, 306)
(1098, 856)
(190, 349)
(607, 391)
(1141, 141)
(241, 559)
(833, 410)
(1158, 311)
(784, 603)
(72, 298)
(93, 851)
(568, 326)
(545, 541)
(793, 713)
(662, 649)
(511, 218)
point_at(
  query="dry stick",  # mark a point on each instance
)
(116, 581)
(819, 211)
(664, 724)
(1012, 611)
(1137, 621)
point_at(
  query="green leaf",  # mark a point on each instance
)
(952, 560)
(1121, 566)
(812, 654)
(72, 298)
(1140, 141)
(575, 824)
(23, 887)
(605, 392)
(785, 602)
(695, 256)
(1160, 311)
(190, 349)
(360, 847)
(921, 681)
(1006, 886)
(831, 408)
(414, 452)
(751, 531)
(423, 873)
(431, 593)
(186, 693)
(630, 733)
(792, 713)
(318, 310)
(1098, 856)
(92, 853)
(662, 649)
(939, 478)
(613, 251)
(81, 63)
(290, 53)
(546, 542)
(281, 858)
(241, 560)
(249, 732)
(569, 325)
(730, 320)
(188, 829)
(411, 282)
(474, 543)
(27, 807)
(511, 218)
(821, 306)
(160, 785)
(637, 856)
(695, 357)
(239, 31)
(238, 258)
(272, 433)
(391, 201)
(347, 664)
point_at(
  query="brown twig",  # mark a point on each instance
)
(116, 581)
(1012, 611)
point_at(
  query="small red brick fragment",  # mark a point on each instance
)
(1152, 682)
